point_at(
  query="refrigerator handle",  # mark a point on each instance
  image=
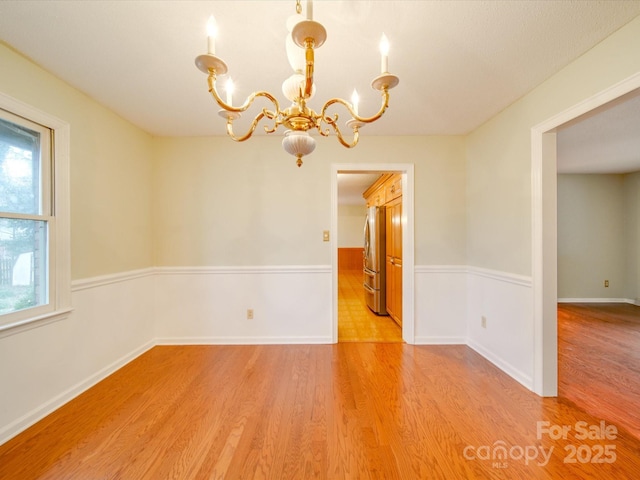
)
(366, 237)
(368, 271)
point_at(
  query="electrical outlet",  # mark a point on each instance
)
(483, 322)
(250, 314)
(606, 283)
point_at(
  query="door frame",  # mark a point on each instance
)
(408, 241)
(544, 231)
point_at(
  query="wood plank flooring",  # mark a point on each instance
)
(356, 322)
(350, 410)
(599, 360)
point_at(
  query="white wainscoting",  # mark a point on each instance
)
(441, 306)
(506, 301)
(208, 305)
(118, 317)
(45, 367)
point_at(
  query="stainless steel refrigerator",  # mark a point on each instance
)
(374, 260)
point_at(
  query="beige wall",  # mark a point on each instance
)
(592, 236)
(499, 152)
(217, 202)
(632, 225)
(351, 219)
(110, 171)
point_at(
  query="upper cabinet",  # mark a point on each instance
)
(393, 187)
(375, 195)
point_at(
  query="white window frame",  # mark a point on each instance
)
(59, 258)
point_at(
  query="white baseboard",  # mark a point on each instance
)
(243, 340)
(14, 428)
(599, 300)
(503, 365)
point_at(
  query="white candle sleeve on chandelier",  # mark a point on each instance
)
(309, 9)
(384, 54)
(229, 88)
(354, 101)
(212, 30)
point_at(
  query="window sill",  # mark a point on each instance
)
(33, 322)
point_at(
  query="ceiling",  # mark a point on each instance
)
(459, 62)
(604, 140)
(351, 186)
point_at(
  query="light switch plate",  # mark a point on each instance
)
(325, 236)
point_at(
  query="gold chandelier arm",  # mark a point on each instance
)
(357, 119)
(354, 115)
(247, 135)
(333, 123)
(356, 137)
(234, 112)
(248, 102)
(264, 114)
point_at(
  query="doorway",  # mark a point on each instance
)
(544, 233)
(363, 313)
(598, 261)
(351, 284)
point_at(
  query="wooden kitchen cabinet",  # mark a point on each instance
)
(393, 188)
(375, 195)
(394, 257)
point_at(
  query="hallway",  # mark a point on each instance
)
(356, 323)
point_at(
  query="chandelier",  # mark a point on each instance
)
(305, 36)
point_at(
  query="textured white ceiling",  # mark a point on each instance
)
(459, 62)
(351, 186)
(605, 140)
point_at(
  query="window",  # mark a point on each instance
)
(34, 240)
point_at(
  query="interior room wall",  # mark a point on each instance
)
(274, 233)
(499, 152)
(279, 210)
(632, 235)
(499, 199)
(351, 225)
(592, 236)
(217, 202)
(110, 171)
(112, 322)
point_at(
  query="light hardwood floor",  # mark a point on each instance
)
(350, 410)
(599, 360)
(356, 322)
